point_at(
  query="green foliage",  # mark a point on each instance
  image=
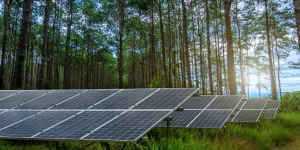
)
(291, 102)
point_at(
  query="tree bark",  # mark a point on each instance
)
(21, 52)
(44, 49)
(230, 51)
(67, 65)
(120, 55)
(272, 75)
(297, 16)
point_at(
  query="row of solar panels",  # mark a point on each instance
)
(198, 113)
(106, 115)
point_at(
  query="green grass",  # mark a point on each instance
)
(267, 134)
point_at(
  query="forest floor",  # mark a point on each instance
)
(295, 145)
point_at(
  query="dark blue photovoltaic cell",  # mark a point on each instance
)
(226, 102)
(86, 99)
(10, 117)
(181, 118)
(269, 114)
(35, 124)
(197, 102)
(80, 125)
(50, 99)
(211, 119)
(125, 99)
(247, 116)
(166, 99)
(272, 104)
(255, 103)
(4, 94)
(240, 105)
(129, 126)
(21, 98)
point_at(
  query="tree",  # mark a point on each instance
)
(18, 76)
(297, 16)
(230, 52)
(120, 54)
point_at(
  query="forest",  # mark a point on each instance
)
(88, 44)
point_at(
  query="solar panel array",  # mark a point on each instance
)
(205, 112)
(272, 107)
(250, 110)
(101, 115)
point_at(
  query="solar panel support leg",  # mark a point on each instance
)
(106, 145)
(168, 120)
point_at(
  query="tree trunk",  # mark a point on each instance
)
(272, 76)
(67, 65)
(186, 44)
(21, 52)
(120, 55)
(7, 4)
(297, 16)
(44, 49)
(278, 69)
(169, 47)
(243, 91)
(230, 52)
(195, 55)
(211, 88)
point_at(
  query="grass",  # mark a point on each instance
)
(267, 134)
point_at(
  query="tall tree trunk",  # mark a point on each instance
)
(297, 16)
(278, 68)
(7, 4)
(272, 75)
(44, 49)
(230, 52)
(21, 52)
(152, 39)
(67, 65)
(120, 55)
(195, 55)
(186, 44)
(241, 51)
(169, 47)
(162, 38)
(211, 88)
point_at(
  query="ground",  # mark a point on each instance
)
(295, 145)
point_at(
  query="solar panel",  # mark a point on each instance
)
(269, 114)
(241, 104)
(247, 116)
(226, 102)
(197, 102)
(35, 124)
(166, 99)
(255, 104)
(4, 94)
(181, 118)
(210, 119)
(21, 98)
(128, 127)
(79, 125)
(86, 99)
(50, 99)
(125, 99)
(273, 104)
(10, 117)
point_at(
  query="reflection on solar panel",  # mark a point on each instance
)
(86, 99)
(166, 99)
(269, 114)
(271, 109)
(70, 114)
(79, 125)
(199, 113)
(10, 117)
(128, 127)
(4, 94)
(21, 98)
(255, 104)
(35, 124)
(50, 99)
(225, 102)
(198, 102)
(181, 118)
(247, 116)
(125, 99)
(211, 119)
(250, 111)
